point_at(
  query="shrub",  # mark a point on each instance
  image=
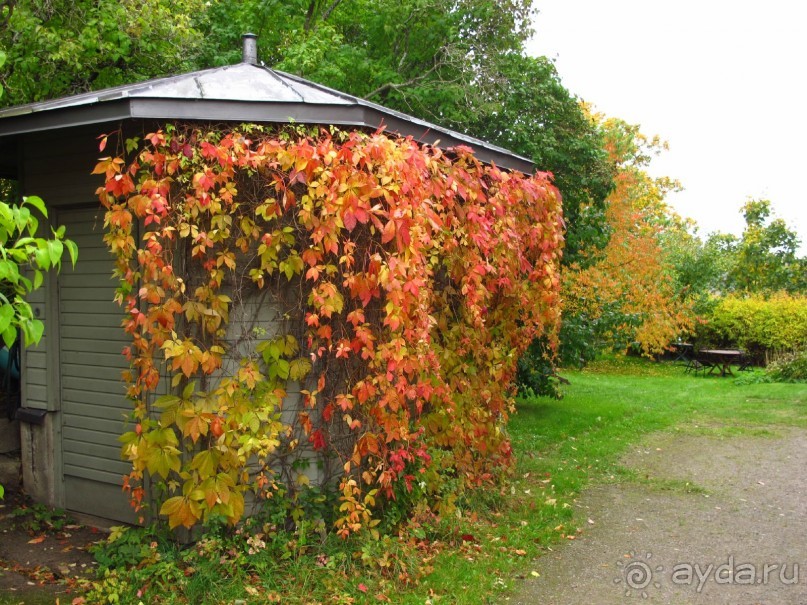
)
(790, 367)
(763, 326)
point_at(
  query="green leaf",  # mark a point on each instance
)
(131, 144)
(72, 249)
(32, 330)
(188, 390)
(299, 368)
(6, 316)
(55, 249)
(42, 258)
(166, 401)
(282, 368)
(36, 202)
(10, 336)
(163, 460)
(8, 271)
(6, 216)
(206, 462)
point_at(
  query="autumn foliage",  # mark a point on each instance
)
(629, 279)
(305, 305)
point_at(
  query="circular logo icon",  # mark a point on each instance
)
(638, 575)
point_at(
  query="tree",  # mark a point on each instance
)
(63, 47)
(764, 259)
(23, 260)
(765, 255)
(628, 293)
(459, 63)
(534, 115)
(432, 58)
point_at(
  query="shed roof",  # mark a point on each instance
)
(242, 93)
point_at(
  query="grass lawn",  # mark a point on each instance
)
(564, 445)
(561, 447)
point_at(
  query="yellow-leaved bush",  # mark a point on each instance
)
(322, 306)
(761, 324)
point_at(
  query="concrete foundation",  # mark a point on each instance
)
(37, 450)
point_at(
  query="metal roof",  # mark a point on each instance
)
(239, 93)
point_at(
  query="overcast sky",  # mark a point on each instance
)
(724, 82)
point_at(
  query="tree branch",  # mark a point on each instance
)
(397, 86)
(330, 9)
(310, 24)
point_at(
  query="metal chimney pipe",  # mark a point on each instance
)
(250, 52)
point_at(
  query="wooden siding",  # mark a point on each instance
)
(34, 360)
(56, 167)
(93, 406)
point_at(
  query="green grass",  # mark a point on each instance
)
(562, 446)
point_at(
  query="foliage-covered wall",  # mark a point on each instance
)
(406, 281)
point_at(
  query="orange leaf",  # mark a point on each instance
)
(389, 232)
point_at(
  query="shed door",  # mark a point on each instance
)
(93, 407)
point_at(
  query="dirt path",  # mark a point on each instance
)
(40, 555)
(742, 541)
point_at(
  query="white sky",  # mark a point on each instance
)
(724, 82)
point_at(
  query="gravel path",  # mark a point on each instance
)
(743, 542)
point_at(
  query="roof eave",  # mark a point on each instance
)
(364, 115)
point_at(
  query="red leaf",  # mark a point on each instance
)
(349, 219)
(317, 439)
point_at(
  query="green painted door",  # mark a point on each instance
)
(93, 406)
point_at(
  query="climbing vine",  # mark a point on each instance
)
(322, 306)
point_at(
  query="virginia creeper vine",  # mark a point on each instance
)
(347, 301)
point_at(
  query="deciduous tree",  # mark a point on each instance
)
(629, 294)
(63, 47)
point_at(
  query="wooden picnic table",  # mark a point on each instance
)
(720, 359)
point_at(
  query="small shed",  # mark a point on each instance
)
(72, 402)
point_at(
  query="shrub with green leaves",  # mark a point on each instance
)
(790, 367)
(761, 325)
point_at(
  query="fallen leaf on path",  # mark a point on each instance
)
(37, 540)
